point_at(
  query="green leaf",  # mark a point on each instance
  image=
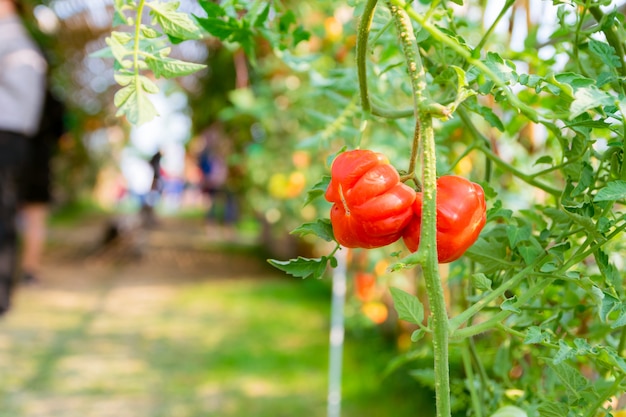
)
(571, 377)
(491, 254)
(613, 191)
(505, 70)
(481, 282)
(490, 117)
(510, 411)
(149, 32)
(299, 35)
(117, 42)
(171, 68)
(546, 159)
(518, 234)
(509, 305)
(426, 377)
(408, 306)
(605, 52)
(286, 20)
(529, 252)
(588, 98)
(134, 104)
(620, 321)
(586, 179)
(564, 353)
(262, 17)
(212, 9)
(610, 273)
(148, 85)
(553, 409)
(123, 79)
(222, 29)
(302, 267)
(417, 335)
(175, 24)
(321, 228)
(535, 335)
(318, 189)
(609, 304)
(609, 356)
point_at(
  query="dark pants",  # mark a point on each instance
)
(13, 148)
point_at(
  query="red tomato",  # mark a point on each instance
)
(365, 286)
(371, 206)
(461, 215)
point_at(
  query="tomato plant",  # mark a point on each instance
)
(534, 114)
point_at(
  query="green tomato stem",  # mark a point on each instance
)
(365, 24)
(424, 137)
(427, 253)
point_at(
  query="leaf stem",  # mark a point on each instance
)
(469, 373)
(622, 343)
(522, 335)
(497, 318)
(483, 40)
(580, 257)
(529, 179)
(471, 311)
(485, 146)
(593, 409)
(138, 19)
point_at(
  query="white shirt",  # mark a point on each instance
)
(22, 78)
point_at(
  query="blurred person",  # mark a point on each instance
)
(222, 203)
(151, 199)
(22, 90)
(35, 186)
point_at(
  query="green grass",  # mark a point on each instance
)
(241, 347)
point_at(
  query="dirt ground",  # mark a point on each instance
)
(125, 329)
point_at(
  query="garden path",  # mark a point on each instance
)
(169, 333)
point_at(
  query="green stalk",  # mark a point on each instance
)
(427, 252)
(365, 24)
(137, 36)
(485, 37)
(424, 136)
(469, 373)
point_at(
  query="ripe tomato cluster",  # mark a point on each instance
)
(373, 208)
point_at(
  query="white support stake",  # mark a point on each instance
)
(336, 334)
